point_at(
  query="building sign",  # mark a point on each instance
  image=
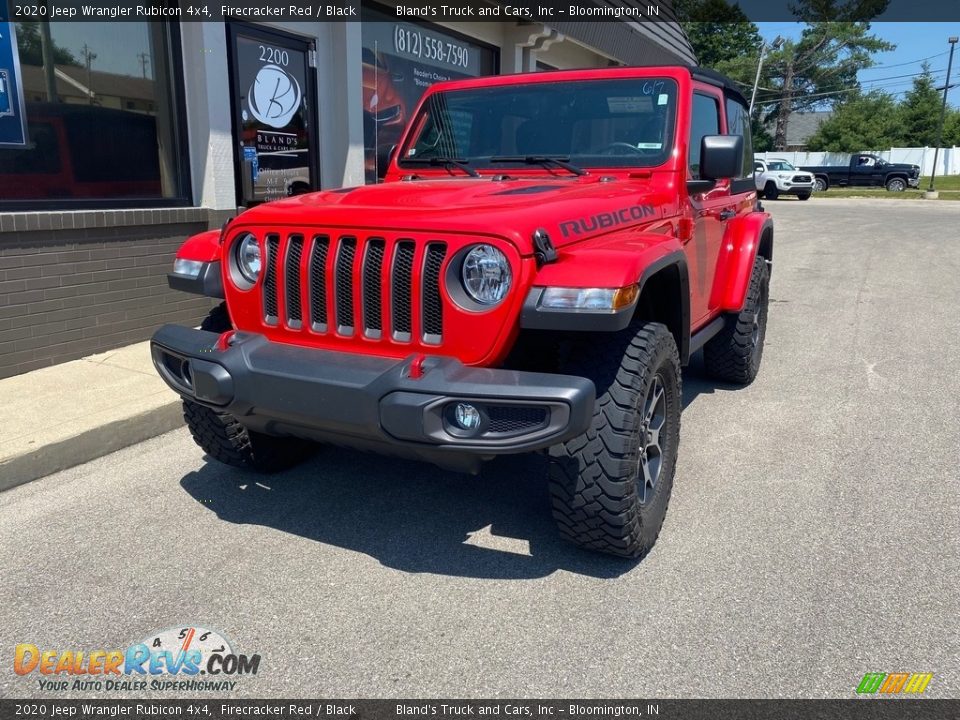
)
(400, 61)
(272, 98)
(13, 119)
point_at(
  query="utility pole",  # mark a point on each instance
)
(144, 59)
(88, 57)
(931, 192)
(778, 41)
(49, 66)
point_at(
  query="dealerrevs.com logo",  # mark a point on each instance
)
(189, 658)
(894, 683)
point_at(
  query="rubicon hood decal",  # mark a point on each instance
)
(602, 221)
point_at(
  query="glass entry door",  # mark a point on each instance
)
(274, 108)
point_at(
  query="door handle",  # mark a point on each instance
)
(728, 214)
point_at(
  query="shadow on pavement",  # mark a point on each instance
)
(413, 516)
(410, 516)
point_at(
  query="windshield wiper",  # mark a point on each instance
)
(562, 161)
(445, 162)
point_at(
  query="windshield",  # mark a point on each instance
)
(590, 123)
(780, 165)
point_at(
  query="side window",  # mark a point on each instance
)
(705, 120)
(738, 123)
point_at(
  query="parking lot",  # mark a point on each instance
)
(813, 534)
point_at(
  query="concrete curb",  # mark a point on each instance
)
(91, 444)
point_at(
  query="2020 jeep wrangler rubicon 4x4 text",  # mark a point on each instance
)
(544, 256)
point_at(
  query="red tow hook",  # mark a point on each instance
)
(416, 367)
(225, 340)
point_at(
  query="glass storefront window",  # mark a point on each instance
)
(101, 117)
(400, 61)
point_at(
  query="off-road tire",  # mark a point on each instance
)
(597, 487)
(734, 354)
(770, 191)
(223, 438)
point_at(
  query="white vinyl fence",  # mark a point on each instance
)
(948, 162)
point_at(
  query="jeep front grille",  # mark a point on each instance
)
(292, 274)
(402, 289)
(270, 280)
(343, 268)
(432, 303)
(372, 288)
(318, 283)
(368, 286)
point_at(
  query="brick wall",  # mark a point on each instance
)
(73, 291)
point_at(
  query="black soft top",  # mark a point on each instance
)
(712, 77)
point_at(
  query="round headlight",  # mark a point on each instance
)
(249, 260)
(486, 274)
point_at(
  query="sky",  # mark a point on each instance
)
(116, 45)
(915, 42)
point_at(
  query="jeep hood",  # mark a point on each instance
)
(569, 209)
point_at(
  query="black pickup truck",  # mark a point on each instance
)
(866, 170)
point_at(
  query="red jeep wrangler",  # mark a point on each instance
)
(546, 253)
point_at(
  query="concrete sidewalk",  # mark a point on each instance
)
(65, 415)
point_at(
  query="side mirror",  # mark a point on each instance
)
(384, 158)
(721, 158)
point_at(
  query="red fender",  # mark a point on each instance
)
(611, 261)
(204, 247)
(741, 241)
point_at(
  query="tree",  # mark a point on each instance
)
(823, 64)
(862, 122)
(30, 46)
(820, 67)
(951, 129)
(919, 113)
(722, 37)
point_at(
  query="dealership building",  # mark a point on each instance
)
(141, 133)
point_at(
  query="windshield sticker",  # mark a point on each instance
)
(662, 99)
(629, 104)
(649, 146)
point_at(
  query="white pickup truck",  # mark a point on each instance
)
(778, 177)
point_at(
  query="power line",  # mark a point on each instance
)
(912, 62)
(773, 98)
(871, 82)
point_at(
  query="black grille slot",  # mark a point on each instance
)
(318, 283)
(291, 274)
(372, 287)
(432, 304)
(402, 297)
(346, 252)
(270, 279)
(515, 418)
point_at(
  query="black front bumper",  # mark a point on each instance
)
(366, 401)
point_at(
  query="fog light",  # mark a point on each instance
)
(466, 416)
